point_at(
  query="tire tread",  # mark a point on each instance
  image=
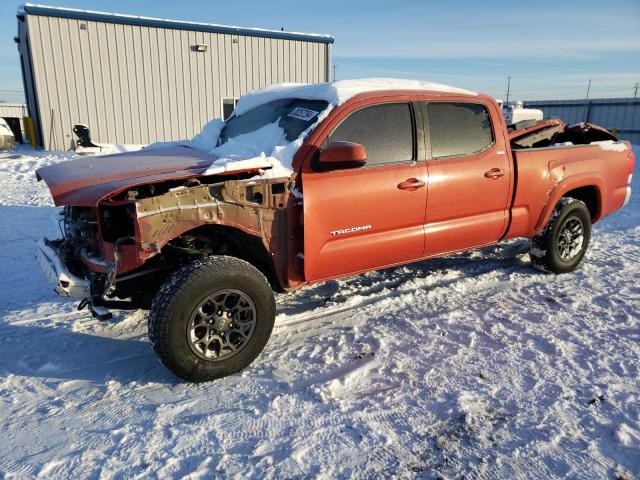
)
(161, 313)
(539, 245)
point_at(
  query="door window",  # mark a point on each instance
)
(385, 131)
(458, 129)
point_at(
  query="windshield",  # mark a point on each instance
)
(293, 115)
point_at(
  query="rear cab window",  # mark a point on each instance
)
(458, 129)
(385, 130)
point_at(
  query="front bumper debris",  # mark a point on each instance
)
(65, 283)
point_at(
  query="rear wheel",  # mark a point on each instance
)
(563, 242)
(211, 318)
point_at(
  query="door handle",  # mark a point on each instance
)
(411, 184)
(495, 173)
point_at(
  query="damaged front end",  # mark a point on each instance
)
(64, 282)
(66, 261)
(118, 254)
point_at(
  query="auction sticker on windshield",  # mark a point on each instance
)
(303, 114)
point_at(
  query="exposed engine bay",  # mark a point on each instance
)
(152, 230)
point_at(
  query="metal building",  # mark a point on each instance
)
(137, 80)
(13, 114)
(621, 114)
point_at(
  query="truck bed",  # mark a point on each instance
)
(600, 169)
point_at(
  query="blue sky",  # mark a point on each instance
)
(550, 48)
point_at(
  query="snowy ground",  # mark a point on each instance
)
(473, 365)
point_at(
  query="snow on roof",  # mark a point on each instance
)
(337, 92)
(97, 16)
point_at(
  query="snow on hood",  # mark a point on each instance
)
(205, 141)
(267, 147)
(250, 149)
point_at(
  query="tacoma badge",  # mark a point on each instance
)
(342, 231)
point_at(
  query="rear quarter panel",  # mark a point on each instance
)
(544, 175)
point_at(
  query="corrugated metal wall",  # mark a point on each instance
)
(623, 114)
(16, 110)
(138, 84)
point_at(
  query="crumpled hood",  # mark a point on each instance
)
(85, 181)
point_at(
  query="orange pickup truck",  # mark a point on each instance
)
(378, 176)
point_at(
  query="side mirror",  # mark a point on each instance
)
(343, 154)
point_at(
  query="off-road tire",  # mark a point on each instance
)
(544, 247)
(177, 300)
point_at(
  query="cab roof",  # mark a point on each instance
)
(337, 93)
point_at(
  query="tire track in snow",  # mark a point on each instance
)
(102, 414)
(345, 316)
(79, 315)
(427, 283)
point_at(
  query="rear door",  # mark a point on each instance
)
(470, 176)
(365, 218)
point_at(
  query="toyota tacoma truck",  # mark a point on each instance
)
(378, 174)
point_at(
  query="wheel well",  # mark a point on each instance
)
(591, 198)
(224, 240)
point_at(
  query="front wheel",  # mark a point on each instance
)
(211, 318)
(561, 245)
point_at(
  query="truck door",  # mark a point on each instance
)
(372, 216)
(470, 176)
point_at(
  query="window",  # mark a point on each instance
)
(292, 115)
(228, 106)
(458, 128)
(385, 131)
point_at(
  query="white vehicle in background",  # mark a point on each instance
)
(516, 113)
(7, 139)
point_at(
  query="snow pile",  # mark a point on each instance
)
(108, 149)
(628, 436)
(205, 141)
(266, 148)
(248, 150)
(611, 145)
(18, 183)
